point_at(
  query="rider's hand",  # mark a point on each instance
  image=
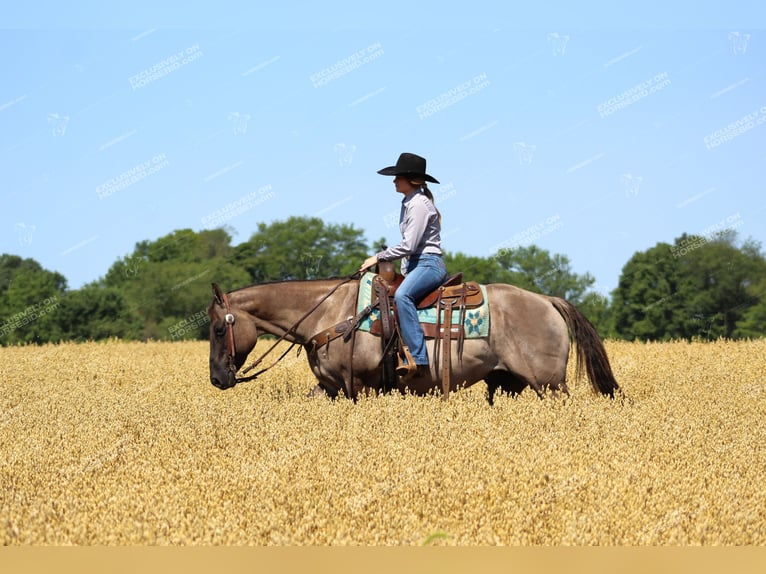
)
(369, 262)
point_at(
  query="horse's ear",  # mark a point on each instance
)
(218, 294)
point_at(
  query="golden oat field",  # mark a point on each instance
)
(122, 443)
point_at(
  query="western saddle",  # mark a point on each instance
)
(452, 295)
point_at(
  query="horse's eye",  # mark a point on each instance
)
(220, 331)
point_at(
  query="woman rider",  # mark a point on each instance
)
(420, 251)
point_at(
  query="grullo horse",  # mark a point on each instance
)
(528, 344)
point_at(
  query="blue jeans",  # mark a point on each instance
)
(425, 273)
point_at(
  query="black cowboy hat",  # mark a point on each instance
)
(411, 165)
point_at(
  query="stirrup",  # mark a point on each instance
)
(405, 369)
(419, 371)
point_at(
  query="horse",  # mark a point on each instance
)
(528, 344)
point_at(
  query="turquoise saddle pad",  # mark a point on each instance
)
(476, 320)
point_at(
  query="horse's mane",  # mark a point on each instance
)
(317, 280)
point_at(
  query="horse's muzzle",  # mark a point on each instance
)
(224, 383)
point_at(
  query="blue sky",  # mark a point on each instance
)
(592, 131)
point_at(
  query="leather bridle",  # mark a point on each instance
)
(229, 320)
(231, 348)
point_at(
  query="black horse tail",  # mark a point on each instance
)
(589, 348)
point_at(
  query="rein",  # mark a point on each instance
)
(229, 318)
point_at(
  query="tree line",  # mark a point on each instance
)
(699, 287)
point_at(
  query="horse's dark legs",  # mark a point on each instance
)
(557, 388)
(505, 381)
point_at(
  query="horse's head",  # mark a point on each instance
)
(232, 336)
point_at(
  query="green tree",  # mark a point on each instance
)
(698, 287)
(645, 304)
(166, 283)
(484, 270)
(97, 312)
(716, 277)
(301, 248)
(752, 325)
(535, 269)
(29, 300)
(595, 306)
(186, 245)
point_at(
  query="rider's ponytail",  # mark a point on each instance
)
(427, 192)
